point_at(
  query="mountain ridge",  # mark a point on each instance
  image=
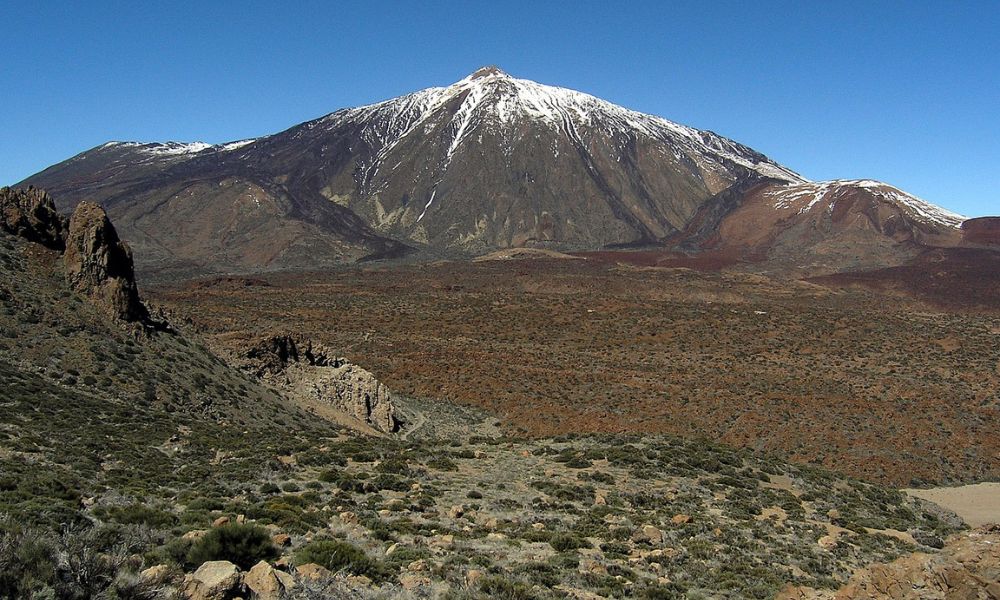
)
(486, 163)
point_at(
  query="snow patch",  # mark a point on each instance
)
(807, 195)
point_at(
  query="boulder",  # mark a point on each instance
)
(31, 214)
(267, 583)
(214, 580)
(99, 265)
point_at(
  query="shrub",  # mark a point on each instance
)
(563, 542)
(242, 545)
(336, 556)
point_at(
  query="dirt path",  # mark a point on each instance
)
(977, 504)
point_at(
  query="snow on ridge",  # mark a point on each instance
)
(810, 194)
(235, 145)
(174, 148)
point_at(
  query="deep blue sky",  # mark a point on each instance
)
(906, 92)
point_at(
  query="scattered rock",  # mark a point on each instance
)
(214, 580)
(968, 567)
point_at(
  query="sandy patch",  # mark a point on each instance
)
(977, 504)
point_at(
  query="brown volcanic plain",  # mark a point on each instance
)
(886, 389)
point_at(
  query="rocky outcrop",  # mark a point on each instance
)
(273, 355)
(968, 568)
(30, 214)
(312, 372)
(355, 391)
(99, 265)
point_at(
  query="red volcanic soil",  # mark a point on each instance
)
(950, 278)
(886, 390)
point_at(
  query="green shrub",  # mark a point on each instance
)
(563, 542)
(242, 545)
(336, 556)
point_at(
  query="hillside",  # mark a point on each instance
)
(129, 452)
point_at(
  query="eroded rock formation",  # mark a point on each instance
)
(30, 213)
(99, 265)
(314, 373)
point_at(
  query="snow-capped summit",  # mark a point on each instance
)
(489, 161)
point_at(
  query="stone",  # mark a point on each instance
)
(589, 565)
(473, 576)
(313, 572)
(418, 566)
(680, 519)
(442, 542)
(99, 265)
(648, 534)
(214, 580)
(194, 534)
(266, 583)
(221, 521)
(31, 214)
(281, 540)
(155, 574)
(349, 518)
(412, 581)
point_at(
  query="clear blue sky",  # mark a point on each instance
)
(906, 92)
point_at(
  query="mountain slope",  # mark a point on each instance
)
(820, 227)
(490, 161)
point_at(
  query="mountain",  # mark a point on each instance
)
(488, 162)
(824, 226)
